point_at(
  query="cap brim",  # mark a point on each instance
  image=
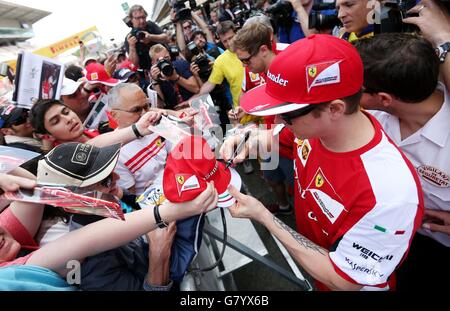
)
(109, 82)
(226, 199)
(258, 102)
(70, 89)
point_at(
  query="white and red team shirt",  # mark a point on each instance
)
(363, 206)
(141, 161)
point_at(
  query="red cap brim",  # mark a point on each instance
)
(258, 103)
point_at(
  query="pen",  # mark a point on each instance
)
(238, 149)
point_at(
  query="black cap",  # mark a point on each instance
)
(75, 164)
(11, 114)
(123, 74)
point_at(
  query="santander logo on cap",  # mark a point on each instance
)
(323, 74)
(277, 79)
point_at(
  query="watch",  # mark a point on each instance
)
(159, 222)
(442, 51)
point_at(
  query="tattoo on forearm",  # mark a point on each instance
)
(300, 238)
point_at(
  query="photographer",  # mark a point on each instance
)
(142, 37)
(173, 81)
(354, 15)
(203, 38)
(286, 21)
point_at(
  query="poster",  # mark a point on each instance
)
(37, 77)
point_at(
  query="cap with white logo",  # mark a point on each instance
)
(314, 70)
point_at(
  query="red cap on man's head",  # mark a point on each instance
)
(96, 73)
(314, 70)
(192, 164)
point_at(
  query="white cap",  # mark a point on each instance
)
(69, 86)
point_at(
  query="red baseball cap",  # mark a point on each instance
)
(314, 70)
(96, 73)
(192, 164)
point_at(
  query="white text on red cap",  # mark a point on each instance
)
(277, 79)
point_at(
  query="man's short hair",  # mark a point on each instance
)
(403, 65)
(225, 27)
(251, 37)
(198, 32)
(38, 111)
(115, 94)
(136, 8)
(157, 48)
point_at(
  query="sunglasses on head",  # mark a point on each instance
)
(289, 116)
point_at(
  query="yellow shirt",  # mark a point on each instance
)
(228, 66)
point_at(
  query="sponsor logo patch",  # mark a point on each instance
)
(81, 154)
(94, 76)
(186, 183)
(434, 176)
(323, 74)
(304, 150)
(254, 77)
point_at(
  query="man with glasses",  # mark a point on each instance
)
(253, 45)
(173, 81)
(149, 34)
(358, 201)
(17, 130)
(143, 159)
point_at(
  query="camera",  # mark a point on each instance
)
(202, 62)
(324, 16)
(174, 52)
(138, 33)
(281, 12)
(182, 12)
(193, 48)
(165, 67)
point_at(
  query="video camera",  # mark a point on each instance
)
(393, 12)
(201, 60)
(182, 13)
(281, 13)
(166, 67)
(324, 16)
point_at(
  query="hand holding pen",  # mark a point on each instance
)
(238, 148)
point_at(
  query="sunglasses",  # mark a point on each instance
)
(247, 60)
(289, 116)
(137, 109)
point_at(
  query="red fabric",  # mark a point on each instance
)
(343, 180)
(10, 222)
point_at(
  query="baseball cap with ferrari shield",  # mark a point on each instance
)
(314, 70)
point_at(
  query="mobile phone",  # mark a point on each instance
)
(3, 70)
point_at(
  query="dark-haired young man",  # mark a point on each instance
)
(358, 200)
(401, 80)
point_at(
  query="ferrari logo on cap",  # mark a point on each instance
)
(180, 180)
(319, 180)
(312, 71)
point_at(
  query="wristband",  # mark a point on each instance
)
(136, 131)
(159, 222)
